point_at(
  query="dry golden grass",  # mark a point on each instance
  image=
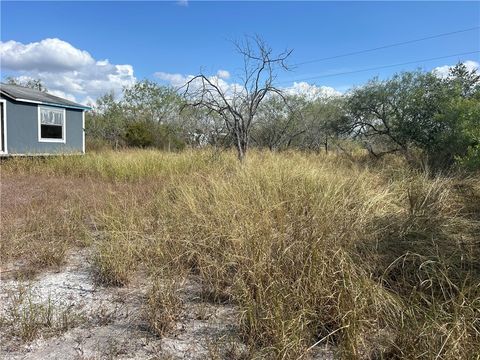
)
(374, 257)
(164, 306)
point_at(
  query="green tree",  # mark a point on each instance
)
(324, 120)
(107, 120)
(149, 101)
(418, 110)
(150, 107)
(139, 134)
(279, 121)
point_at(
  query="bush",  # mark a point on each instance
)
(139, 134)
(145, 134)
(471, 160)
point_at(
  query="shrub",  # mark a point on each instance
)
(139, 134)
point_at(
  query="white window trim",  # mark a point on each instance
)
(4, 127)
(63, 140)
(83, 131)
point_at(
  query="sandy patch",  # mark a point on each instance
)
(112, 325)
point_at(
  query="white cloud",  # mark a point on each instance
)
(179, 80)
(65, 70)
(174, 79)
(443, 71)
(182, 3)
(62, 94)
(223, 74)
(46, 55)
(311, 92)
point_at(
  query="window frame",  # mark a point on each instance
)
(63, 140)
(4, 128)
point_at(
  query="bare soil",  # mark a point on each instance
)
(113, 325)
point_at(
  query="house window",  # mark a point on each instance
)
(51, 122)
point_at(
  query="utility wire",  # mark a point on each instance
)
(387, 46)
(379, 67)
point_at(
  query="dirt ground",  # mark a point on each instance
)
(112, 325)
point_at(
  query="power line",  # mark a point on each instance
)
(380, 67)
(387, 46)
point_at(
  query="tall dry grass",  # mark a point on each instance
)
(374, 257)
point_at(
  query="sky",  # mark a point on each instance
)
(82, 50)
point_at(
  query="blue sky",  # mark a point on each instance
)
(172, 38)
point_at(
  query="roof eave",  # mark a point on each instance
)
(79, 107)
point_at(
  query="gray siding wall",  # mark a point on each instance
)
(22, 131)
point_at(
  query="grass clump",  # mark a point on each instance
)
(121, 235)
(113, 260)
(275, 239)
(164, 306)
(25, 317)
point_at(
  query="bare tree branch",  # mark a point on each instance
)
(238, 104)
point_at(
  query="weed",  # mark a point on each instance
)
(164, 306)
(25, 317)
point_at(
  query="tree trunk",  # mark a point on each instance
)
(240, 154)
(241, 144)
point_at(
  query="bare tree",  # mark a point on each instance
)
(237, 104)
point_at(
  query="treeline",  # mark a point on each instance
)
(417, 114)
